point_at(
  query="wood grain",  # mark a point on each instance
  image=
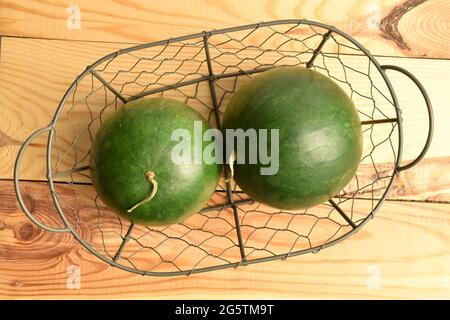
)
(402, 253)
(426, 182)
(31, 89)
(414, 28)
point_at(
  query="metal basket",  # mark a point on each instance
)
(204, 70)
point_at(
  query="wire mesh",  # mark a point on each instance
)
(204, 71)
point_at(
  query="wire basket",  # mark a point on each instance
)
(204, 70)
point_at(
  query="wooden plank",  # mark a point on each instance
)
(31, 106)
(428, 181)
(396, 27)
(402, 253)
(31, 88)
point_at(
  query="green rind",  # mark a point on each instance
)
(137, 138)
(319, 133)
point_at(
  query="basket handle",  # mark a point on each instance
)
(16, 183)
(430, 114)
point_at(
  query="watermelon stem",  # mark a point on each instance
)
(150, 175)
(231, 166)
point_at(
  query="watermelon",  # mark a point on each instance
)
(319, 136)
(133, 170)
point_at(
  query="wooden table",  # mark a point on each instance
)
(403, 253)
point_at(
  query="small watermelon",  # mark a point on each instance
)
(132, 167)
(320, 137)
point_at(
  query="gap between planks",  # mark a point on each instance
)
(124, 45)
(406, 200)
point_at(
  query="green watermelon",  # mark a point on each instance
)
(320, 136)
(131, 162)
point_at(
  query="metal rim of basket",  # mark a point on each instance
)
(205, 35)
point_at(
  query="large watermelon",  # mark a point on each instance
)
(320, 137)
(131, 159)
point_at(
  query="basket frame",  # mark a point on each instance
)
(211, 78)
